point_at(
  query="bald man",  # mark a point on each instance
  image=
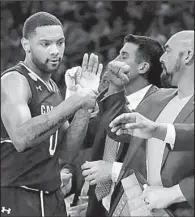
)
(170, 173)
(178, 62)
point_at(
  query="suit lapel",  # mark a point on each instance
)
(151, 90)
(185, 112)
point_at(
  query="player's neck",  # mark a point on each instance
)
(44, 76)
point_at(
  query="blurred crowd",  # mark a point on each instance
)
(94, 26)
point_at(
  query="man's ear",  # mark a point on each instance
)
(25, 45)
(189, 56)
(143, 68)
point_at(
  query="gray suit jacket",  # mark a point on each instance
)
(177, 167)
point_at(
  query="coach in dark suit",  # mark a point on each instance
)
(145, 73)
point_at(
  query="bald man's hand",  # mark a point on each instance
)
(134, 124)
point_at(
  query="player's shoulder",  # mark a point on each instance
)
(14, 81)
(13, 76)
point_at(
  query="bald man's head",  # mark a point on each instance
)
(183, 39)
(178, 57)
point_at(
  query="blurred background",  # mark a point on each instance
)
(93, 26)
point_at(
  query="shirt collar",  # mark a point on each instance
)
(135, 98)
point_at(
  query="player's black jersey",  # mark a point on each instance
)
(37, 167)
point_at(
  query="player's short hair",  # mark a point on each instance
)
(36, 20)
(149, 50)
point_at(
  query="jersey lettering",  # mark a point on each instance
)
(53, 138)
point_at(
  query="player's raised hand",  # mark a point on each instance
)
(118, 73)
(84, 79)
(90, 73)
(134, 124)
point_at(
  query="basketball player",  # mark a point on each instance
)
(34, 119)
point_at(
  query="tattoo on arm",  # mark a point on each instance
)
(39, 128)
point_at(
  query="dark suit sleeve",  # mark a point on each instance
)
(187, 188)
(184, 140)
(115, 105)
(109, 107)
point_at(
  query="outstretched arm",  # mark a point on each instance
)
(137, 125)
(180, 136)
(25, 131)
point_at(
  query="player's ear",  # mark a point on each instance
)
(25, 45)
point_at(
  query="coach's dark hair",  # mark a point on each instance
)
(37, 20)
(149, 50)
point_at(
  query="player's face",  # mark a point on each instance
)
(172, 64)
(47, 48)
(128, 55)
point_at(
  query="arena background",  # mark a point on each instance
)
(93, 26)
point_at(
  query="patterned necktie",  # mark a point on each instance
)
(103, 188)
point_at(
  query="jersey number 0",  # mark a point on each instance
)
(53, 143)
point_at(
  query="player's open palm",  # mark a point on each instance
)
(90, 72)
(82, 80)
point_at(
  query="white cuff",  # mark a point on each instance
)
(170, 136)
(116, 168)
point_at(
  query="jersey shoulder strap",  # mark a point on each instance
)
(23, 71)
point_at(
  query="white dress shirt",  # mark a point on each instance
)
(155, 147)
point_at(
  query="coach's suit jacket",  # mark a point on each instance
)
(177, 166)
(184, 140)
(108, 109)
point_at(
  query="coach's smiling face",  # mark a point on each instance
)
(46, 47)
